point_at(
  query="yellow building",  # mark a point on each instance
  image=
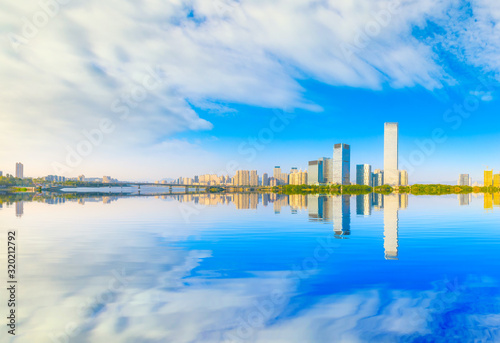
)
(496, 180)
(298, 177)
(496, 199)
(488, 201)
(488, 178)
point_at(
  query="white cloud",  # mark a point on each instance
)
(75, 68)
(484, 96)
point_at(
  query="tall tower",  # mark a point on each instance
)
(19, 170)
(254, 178)
(277, 173)
(341, 164)
(265, 179)
(488, 178)
(391, 173)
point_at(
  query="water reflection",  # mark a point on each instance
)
(320, 208)
(141, 274)
(392, 204)
(464, 199)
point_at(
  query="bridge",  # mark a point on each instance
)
(170, 186)
(185, 186)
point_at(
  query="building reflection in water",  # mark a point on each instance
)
(464, 199)
(341, 215)
(321, 208)
(377, 201)
(334, 209)
(391, 221)
(19, 208)
(364, 204)
(246, 201)
(488, 201)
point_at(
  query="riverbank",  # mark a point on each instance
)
(434, 189)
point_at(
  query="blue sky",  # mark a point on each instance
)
(179, 88)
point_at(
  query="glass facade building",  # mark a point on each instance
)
(364, 174)
(341, 164)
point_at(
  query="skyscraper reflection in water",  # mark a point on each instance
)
(341, 215)
(364, 204)
(464, 199)
(19, 208)
(392, 204)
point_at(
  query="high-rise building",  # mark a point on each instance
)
(327, 164)
(254, 178)
(403, 178)
(1, 173)
(364, 174)
(265, 179)
(277, 172)
(488, 178)
(284, 178)
(391, 173)
(315, 172)
(298, 178)
(377, 178)
(19, 170)
(496, 180)
(464, 180)
(341, 164)
(242, 178)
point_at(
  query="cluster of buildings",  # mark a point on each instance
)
(59, 178)
(490, 180)
(323, 171)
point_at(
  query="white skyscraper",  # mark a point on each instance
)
(19, 170)
(391, 223)
(391, 172)
(341, 164)
(464, 180)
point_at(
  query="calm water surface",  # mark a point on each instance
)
(257, 268)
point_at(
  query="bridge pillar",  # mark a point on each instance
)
(170, 189)
(187, 189)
